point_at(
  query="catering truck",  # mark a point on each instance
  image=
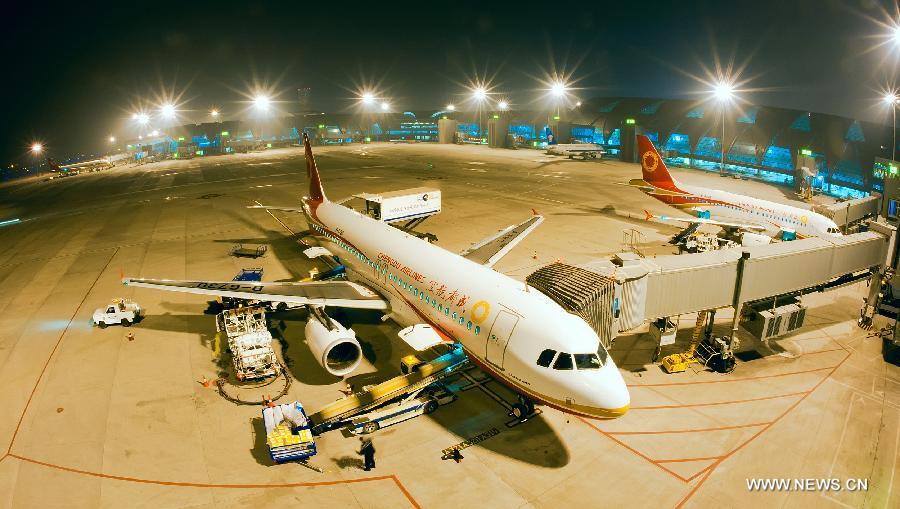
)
(402, 205)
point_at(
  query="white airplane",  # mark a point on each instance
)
(584, 150)
(513, 332)
(96, 164)
(760, 220)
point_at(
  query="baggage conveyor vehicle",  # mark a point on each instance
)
(416, 378)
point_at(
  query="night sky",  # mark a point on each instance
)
(74, 73)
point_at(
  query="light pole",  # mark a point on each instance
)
(261, 103)
(479, 95)
(723, 92)
(891, 100)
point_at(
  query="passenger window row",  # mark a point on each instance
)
(439, 306)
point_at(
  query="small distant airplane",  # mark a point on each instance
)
(759, 220)
(516, 334)
(93, 165)
(584, 150)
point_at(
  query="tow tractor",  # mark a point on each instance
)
(288, 436)
(119, 311)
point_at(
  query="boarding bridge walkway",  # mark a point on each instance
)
(334, 414)
(651, 288)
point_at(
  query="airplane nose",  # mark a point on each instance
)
(613, 398)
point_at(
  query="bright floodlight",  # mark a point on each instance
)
(36, 148)
(503, 105)
(723, 91)
(558, 89)
(479, 94)
(154, 133)
(214, 113)
(450, 107)
(112, 139)
(368, 98)
(897, 34)
(385, 106)
(167, 110)
(141, 118)
(890, 98)
(578, 104)
(262, 102)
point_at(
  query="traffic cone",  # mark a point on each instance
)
(204, 382)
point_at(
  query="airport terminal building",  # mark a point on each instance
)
(850, 157)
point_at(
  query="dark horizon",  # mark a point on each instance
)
(76, 73)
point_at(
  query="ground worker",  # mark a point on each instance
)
(367, 450)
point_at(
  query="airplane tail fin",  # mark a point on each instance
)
(653, 167)
(316, 193)
(551, 140)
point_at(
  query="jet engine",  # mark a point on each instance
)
(334, 346)
(754, 239)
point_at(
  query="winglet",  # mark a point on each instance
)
(649, 215)
(535, 212)
(315, 184)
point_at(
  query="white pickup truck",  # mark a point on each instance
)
(119, 311)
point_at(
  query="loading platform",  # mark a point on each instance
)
(337, 413)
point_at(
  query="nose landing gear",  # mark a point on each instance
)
(522, 409)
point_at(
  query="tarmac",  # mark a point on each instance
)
(93, 419)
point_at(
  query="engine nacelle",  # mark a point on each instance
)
(334, 347)
(754, 239)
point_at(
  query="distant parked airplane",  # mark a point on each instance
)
(721, 208)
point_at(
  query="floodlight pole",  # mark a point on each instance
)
(894, 129)
(722, 166)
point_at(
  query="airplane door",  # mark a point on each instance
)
(498, 337)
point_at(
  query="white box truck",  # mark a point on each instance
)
(402, 205)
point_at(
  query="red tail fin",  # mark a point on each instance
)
(653, 167)
(315, 185)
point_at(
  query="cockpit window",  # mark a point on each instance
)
(602, 354)
(587, 361)
(546, 357)
(564, 362)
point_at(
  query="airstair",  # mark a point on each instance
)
(338, 412)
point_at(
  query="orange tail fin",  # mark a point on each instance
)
(653, 167)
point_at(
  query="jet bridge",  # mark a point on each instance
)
(665, 286)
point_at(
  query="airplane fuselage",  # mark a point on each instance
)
(503, 326)
(732, 207)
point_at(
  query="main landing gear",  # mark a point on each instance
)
(523, 408)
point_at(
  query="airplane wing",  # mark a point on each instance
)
(490, 250)
(344, 294)
(272, 207)
(700, 220)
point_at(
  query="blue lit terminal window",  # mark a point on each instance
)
(778, 157)
(651, 109)
(855, 132)
(678, 142)
(695, 113)
(801, 123)
(708, 147)
(614, 138)
(743, 153)
(654, 137)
